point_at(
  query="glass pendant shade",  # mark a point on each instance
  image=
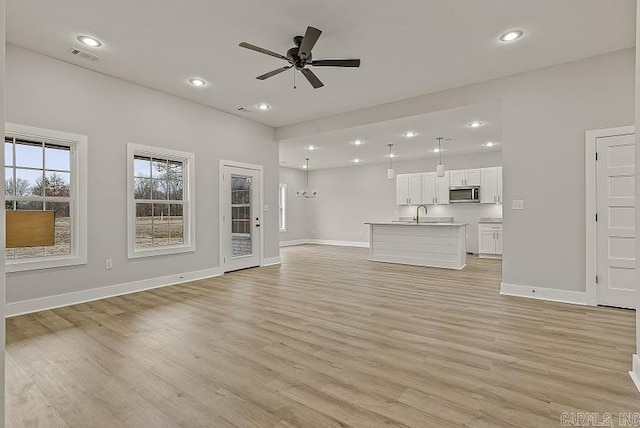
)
(440, 170)
(391, 174)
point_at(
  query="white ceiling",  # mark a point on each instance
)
(336, 148)
(408, 47)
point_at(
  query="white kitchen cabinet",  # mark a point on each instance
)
(465, 177)
(472, 178)
(408, 189)
(402, 189)
(415, 189)
(490, 240)
(435, 190)
(491, 185)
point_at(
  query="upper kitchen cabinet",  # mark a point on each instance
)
(491, 185)
(435, 190)
(408, 189)
(465, 177)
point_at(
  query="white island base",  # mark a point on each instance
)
(439, 245)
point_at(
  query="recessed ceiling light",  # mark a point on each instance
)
(90, 41)
(391, 155)
(410, 134)
(263, 106)
(197, 82)
(304, 167)
(475, 124)
(510, 36)
(356, 160)
(357, 142)
(311, 148)
(489, 144)
(436, 150)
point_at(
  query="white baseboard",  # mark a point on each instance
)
(294, 242)
(270, 261)
(552, 294)
(635, 371)
(60, 300)
(339, 243)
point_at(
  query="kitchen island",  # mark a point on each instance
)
(421, 244)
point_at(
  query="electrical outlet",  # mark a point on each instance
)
(108, 264)
(266, 208)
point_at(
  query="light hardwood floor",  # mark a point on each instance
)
(327, 339)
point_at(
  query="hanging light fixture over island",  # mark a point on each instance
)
(440, 167)
(391, 173)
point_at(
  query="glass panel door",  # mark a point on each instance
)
(241, 233)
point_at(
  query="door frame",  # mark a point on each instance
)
(221, 208)
(591, 175)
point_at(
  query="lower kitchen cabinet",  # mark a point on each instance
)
(490, 240)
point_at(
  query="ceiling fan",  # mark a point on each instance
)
(300, 57)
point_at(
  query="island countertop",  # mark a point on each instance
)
(406, 223)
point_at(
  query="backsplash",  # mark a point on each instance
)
(461, 213)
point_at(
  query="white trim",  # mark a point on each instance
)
(635, 371)
(541, 293)
(293, 242)
(282, 186)
(79, 174)
(325, 242)
(591, 206)
(60, 300)
(221, 208)
(188, 207)
(339, 243)
(270, 261)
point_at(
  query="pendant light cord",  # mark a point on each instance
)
(390, 157)
(439, 151)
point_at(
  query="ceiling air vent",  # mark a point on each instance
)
(84, 55)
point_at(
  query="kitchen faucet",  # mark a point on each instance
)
(418, 213)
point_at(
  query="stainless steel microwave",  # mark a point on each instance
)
(460, 194)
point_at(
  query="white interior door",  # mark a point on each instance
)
(241, 218)
(616, 237)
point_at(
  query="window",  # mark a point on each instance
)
(283, 204)
(46, 170)
(161, 212)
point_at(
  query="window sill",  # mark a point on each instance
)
(162, 251)
(43, 263)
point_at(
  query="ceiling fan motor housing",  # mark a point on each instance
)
(296, 60)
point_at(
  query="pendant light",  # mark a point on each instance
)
(391, 173)
(440, 167)
(306, 192)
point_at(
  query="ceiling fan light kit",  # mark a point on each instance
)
(300, 58)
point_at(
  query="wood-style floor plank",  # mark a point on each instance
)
(327, 339)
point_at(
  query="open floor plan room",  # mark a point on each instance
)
(325, 339)
(306, 214)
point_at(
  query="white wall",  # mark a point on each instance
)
(48, 93)
(349, 197)
(2, 215)
(545, 114)
(296, 208)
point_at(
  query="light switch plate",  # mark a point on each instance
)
(517, 204)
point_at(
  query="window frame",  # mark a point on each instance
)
(282, 205)
(78, 145)
(188, 201)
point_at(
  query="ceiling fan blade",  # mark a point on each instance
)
(308, 42)
(262, 50)
(312, 78)
(273, 73)
(336, 63)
